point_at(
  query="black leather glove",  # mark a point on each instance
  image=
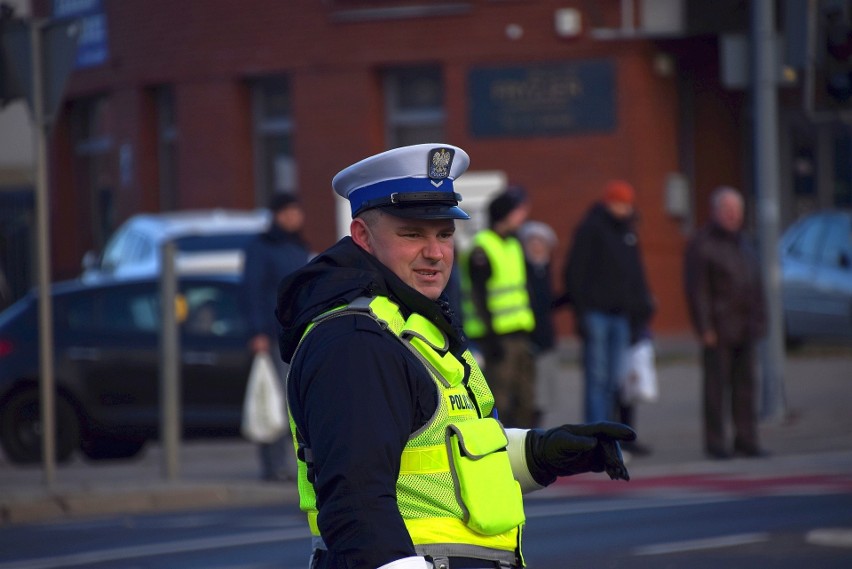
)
(573, 449)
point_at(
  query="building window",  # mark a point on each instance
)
(95, 164)
(414, 106)
(167, 148)
(273, 133)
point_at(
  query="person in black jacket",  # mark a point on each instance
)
(379, 362)
(270, 257)
(605, 283)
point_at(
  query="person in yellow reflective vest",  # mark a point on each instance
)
(402, 463)
(498, 316)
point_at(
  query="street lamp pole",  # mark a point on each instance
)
(45, 310)
(764, 47)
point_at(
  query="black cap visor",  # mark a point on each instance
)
(419, 205)
(433, 211)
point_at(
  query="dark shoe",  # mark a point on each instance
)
(751, 452)
(718, 453)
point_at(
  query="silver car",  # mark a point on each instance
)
(816, 277)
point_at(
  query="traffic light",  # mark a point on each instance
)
(833, 82)
(11, 31)
(57, 43)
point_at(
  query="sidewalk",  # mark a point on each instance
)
(811, 444)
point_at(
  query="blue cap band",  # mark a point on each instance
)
(362, 196)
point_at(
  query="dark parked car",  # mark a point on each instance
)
(816, 277)
(107, 366)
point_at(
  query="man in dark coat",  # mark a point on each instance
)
(269, 258)
(725, 297)
(605, 283)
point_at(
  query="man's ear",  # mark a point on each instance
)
(360, 234)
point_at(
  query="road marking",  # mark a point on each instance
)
(541, 509)
(699, 544)
(184, 546)
(832, 537)
(270, 521)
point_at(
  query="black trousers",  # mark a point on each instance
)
(729, 382)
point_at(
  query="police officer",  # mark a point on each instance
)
(401, 462)
(498, 315)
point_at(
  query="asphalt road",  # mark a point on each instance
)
(811, 444)
(699, 530)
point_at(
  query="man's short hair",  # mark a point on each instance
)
(281, 201)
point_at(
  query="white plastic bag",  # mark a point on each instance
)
(263, 406)
(639, 384)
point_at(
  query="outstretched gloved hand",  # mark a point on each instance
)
(573, 449)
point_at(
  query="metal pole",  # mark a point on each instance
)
(767, 181)
(169, 365)
(45, 315)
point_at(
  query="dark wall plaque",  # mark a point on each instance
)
(542, 99)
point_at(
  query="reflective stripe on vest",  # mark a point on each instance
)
(429, 496)
(508, 299)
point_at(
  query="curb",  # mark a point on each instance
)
(118, 501)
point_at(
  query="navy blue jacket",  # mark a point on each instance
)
(356, 395)
(270, 257)
(541, 301)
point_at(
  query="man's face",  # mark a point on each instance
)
(517, 217)
(418, 251)
(729, 213)
(621, 210)
(537, 249)
(290, 218)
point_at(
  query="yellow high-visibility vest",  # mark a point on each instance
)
(455, 485)
(508, 300)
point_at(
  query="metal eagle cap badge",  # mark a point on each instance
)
(440, 161)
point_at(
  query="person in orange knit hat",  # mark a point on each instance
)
(619, 193)
(605, 284)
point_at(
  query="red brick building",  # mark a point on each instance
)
(214, 103)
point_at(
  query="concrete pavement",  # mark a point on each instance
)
(811, 448)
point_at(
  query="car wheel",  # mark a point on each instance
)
(106, 447)
(21, 430)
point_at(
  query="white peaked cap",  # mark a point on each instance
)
(411, 181)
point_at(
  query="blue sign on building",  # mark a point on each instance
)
(542, 99)
(92, 46)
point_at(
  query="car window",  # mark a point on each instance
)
(805, 246)
(212, 310)
(838, 239)
(115, 250)
(137, 248)
(115, 310)
(24, 312)
(144, 248)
